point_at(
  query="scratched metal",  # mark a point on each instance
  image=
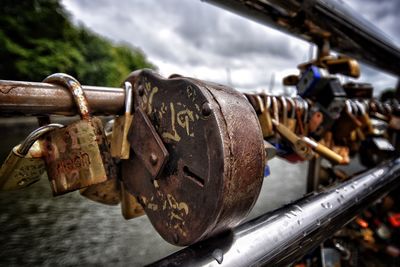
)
(216, 158)
(33, 98)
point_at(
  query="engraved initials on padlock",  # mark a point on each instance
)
(77, 155)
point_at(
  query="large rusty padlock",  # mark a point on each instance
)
(77, 155)
(197, 159)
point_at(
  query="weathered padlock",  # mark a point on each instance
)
(120, 146)
(374, 150)
(265, 117)
(345, 125)
(291, 120)
(77, 155)
(24, 165)
(198, 156)
(130, 207)
(394, 122)
(107, 193)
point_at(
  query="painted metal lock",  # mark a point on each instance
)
(312, 81)
(24, 165)
(77, 155)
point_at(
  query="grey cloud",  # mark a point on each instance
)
(190, 34)
(210, 34)
(383, 13)
(230, 36)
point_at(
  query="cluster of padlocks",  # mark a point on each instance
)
(184, 147)
(298, 128)
(328, 118)
(77, 156)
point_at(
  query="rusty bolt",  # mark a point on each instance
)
(206, 109)
(153, 159)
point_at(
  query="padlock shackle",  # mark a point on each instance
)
(23, 149)
(260, 103)
(293, 106)
(128, 97)
(75, 88)
(284, 107)
(275, 108)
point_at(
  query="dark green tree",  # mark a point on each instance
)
(37, 38)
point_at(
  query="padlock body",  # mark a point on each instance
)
(18, 172)
(312, 81)
(120, 146)
(107, 193)
(394, 122)
(130, 207)
(77, 156)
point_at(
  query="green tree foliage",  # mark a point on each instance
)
(37, 38)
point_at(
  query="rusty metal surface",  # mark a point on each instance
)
(77, 155)
(33, 98)
(215, 168)
(107, 193)
(147, 144)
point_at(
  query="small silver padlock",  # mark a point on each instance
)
(24, 165)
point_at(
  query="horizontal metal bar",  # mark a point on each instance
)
(280, 237)
(312, 20)
(33, 98)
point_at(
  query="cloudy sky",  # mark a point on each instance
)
(197, 39)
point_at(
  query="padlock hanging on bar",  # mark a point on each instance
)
(77, 155)
(130, 207)
(120, 146)
(23, 166)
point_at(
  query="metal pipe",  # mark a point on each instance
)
(280, 237)
(33, 98)
(315, 20)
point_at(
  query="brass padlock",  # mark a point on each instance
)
(291, 120)
(364, 118)
(77, 155)
(130, 207)
(345, 125)
(342, 65)
(120, 146)
(24, 165)
(265, 117)
(107, 193)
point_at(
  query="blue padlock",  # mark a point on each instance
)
(312, 80)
